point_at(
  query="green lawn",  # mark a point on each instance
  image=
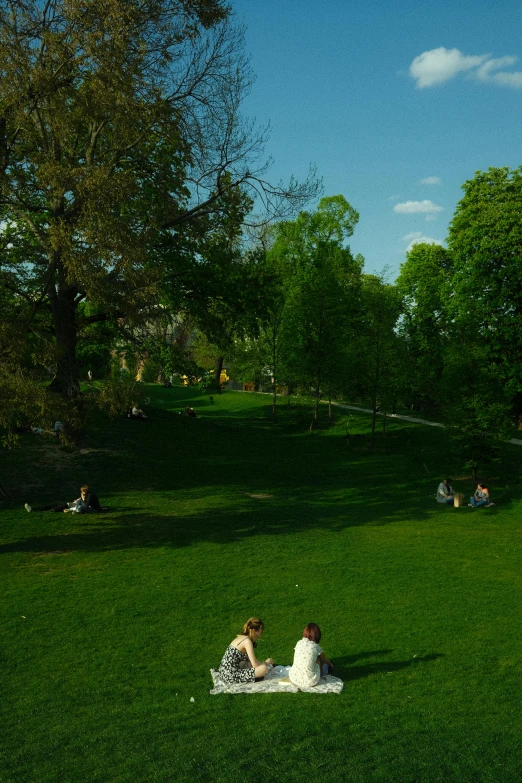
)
(110, 623)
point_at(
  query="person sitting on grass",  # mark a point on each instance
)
(87, 503)
(445, 492)
(239, 663)
(310, 660)
(480, 497)
(137, 413)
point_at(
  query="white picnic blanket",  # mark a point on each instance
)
(276, 682)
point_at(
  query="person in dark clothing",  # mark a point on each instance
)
(87, 503)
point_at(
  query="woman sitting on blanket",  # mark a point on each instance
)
(309, 659)
(239, 662)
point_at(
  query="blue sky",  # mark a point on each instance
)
(381, 96)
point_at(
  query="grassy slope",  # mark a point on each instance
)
(110, 623)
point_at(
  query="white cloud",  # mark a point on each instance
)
(485, 72)
(440, 65)
(429, 218)
(417, 237)
(430, 181)
(437, 66)
(411, 207)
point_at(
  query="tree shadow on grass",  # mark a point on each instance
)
(189, 481)
(245, 518)
(349, 673)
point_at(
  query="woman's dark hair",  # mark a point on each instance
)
(312, 632)
(482, 485)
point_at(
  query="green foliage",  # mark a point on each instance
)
(123, 169)
(320, 283)
(379, 355)
(425, 286)
(476, 405)
(22, 400)
(485, 241)
(248, 362)
(116, 395)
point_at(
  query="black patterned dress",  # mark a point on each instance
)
(229, 666)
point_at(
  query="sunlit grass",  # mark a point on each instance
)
(111, 622)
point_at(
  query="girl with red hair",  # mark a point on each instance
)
(309, 659)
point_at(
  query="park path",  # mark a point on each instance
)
(515, 441)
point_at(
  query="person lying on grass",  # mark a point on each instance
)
(445, 492)
(480, 497)
(309, 659)
(239, 663)
(87, 503)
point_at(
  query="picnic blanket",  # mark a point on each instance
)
(276, 682)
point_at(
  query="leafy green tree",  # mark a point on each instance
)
(380, 348)
(476, 404)
(424, 284)
(321, 280)
(485, 241)
(119, 127)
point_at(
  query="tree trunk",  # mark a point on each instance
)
(374, 397)
(384, 424)
(374, 420)
(274, 381)
(330, 414)
(517, 408)
(66, 380)
(317, 398)
(316, 407)
(217, 374)
(4, 492)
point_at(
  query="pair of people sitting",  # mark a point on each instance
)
(240, 663)
(480, 497)
(87, 503)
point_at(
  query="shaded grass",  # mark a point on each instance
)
(110, 623)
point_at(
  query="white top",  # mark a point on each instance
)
(305, 671)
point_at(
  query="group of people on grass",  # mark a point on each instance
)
(241, 665)
(480, 497)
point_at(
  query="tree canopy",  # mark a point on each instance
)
(120, 129)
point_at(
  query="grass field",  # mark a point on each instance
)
(110, 623)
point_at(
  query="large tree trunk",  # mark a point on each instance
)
(66, 381)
